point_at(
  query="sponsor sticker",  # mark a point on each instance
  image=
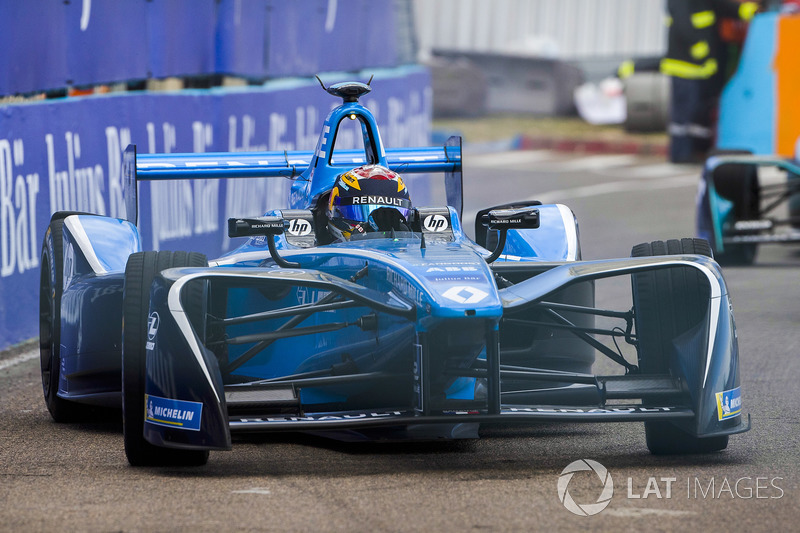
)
(153, 321)
(69, 265)
(729, 403)
(299, 227)
(259, 242)
(435, 223)
(419, 397)
(172, 413)
(465, 294)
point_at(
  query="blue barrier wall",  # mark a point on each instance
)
(66, 155)
(24, 44)
(49, 44)
(180, 38)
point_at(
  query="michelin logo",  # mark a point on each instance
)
(173, 413)
(729, 403)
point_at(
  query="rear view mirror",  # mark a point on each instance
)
(249, 227)
(503, 220)
(269, 226)
(500, 219)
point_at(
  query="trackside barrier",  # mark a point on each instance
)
(66, 154)
(49, 45)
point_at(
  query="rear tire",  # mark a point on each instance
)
(668, 303)
(51, 288)
(140, 271)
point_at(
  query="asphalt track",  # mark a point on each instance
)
(76, 478)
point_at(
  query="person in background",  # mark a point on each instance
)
(695, 60)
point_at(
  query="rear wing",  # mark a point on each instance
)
(290, 165)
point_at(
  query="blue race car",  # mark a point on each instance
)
(354, 314)
(739, 207)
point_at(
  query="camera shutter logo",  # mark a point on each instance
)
(587, 509)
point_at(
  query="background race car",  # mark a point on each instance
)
(750, 192)
(745, 201)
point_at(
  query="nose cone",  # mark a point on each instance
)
(458, 282)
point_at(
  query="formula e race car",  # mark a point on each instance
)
(410, 332)
(741, 204)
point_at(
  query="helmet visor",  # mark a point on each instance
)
(361, 212)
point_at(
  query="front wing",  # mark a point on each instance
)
(184, 377)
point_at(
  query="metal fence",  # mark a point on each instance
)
(574, 30)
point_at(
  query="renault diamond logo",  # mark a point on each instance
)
(465, 295)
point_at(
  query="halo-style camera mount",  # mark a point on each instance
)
(348, 91)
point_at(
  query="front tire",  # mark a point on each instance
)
(140, 271)
(51, 288)
(738, 184)
(667, 303)
(794, 201)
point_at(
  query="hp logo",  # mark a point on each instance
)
(435, 223)
(299, 227)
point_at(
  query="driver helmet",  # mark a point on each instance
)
(367, 199)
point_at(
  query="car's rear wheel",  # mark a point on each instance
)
(51, 287)
(140, 271)
(668, 303)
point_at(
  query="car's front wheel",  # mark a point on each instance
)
(739, 185)
(667, 303)
(140, 271)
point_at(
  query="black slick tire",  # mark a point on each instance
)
(794, 200)
(51, 288)
(667, 303)
(141, 269)
(738, 184)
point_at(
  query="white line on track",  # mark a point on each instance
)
(620, 165)
(656, 170)
(516, 157)
(18, 359)
(596, 162)
(255, 490)
(615, 187)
